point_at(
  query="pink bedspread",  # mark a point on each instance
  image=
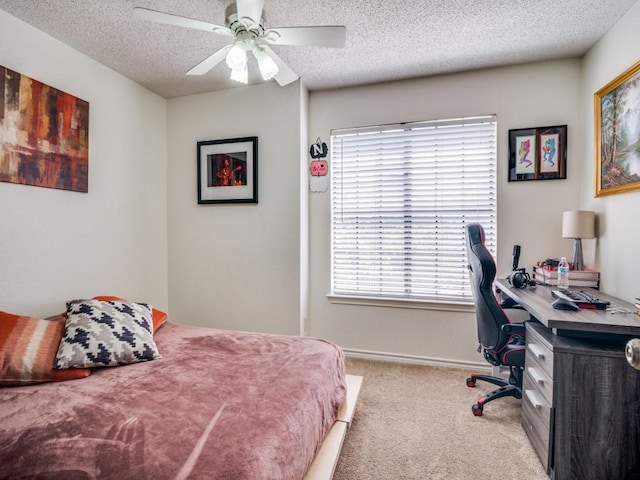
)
(219, 405)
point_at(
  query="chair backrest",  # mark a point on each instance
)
(482, 273)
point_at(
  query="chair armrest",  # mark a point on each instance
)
(509, 331)
(513, 328)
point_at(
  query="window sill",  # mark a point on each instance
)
(446, 306)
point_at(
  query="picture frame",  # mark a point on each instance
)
(44, 134)
(228, 171)
(617, 134)
(538, 153)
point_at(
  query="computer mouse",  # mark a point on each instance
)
(562, 304)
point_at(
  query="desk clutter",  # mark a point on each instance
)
(548, 275)
(636, 304)
(574, 299)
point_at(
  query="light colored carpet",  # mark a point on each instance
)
(415, 422)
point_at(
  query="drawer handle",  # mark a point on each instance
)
(536, 376)
(536, 350)
(533, 398)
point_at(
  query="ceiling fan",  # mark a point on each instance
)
(245, 21)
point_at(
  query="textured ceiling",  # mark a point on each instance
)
(386, 39)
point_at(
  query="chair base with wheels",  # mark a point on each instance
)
(509, 388)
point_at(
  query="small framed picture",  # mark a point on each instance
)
(525, 149)
(228, 171)
(538, 153)
(548, 154)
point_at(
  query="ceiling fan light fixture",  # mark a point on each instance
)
(240, 74)
(268, 68)
(237, 61)
(237, 57)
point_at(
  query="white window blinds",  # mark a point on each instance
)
(400, 198)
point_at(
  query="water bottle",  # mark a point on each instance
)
(563, 273)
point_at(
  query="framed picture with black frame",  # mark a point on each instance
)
(228, 171)
(538, 153)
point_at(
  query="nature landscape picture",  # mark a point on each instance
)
(620, 135)
(44, 134)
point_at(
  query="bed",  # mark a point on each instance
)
(217, 405)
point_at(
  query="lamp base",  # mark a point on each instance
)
(578, 263)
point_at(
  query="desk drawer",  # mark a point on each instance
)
(539, 349)
(534, 402)
(539, 377)
(537, 421)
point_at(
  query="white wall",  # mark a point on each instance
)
(529, 213)
(617, 254)
(237, 266)
(57, 245)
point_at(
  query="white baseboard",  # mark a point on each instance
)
(414, 359)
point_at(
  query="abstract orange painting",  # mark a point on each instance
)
(44, 134)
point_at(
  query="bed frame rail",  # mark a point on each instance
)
(325, 461)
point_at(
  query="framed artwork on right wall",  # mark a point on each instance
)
(617, 135)
(538, 153)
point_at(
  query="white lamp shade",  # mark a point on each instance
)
(268, 68)
(240, 75)
(578, 224)
(237, 57)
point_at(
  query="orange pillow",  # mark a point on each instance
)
(28, 348)
(158, 316)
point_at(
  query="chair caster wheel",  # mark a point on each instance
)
(477, 410)
(471, 382)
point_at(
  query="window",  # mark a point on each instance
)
(400, 198)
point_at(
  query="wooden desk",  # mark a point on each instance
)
(537, 301)
(581, 399)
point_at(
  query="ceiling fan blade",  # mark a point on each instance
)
(210, 62)
(250, 9)
(285, 75)
(171, 19)
(324, 36)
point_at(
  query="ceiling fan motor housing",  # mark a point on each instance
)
(240, 25)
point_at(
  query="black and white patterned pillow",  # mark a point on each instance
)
(102, 334)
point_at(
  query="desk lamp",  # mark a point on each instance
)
(578, 225)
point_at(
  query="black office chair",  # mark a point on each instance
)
(501, 342)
